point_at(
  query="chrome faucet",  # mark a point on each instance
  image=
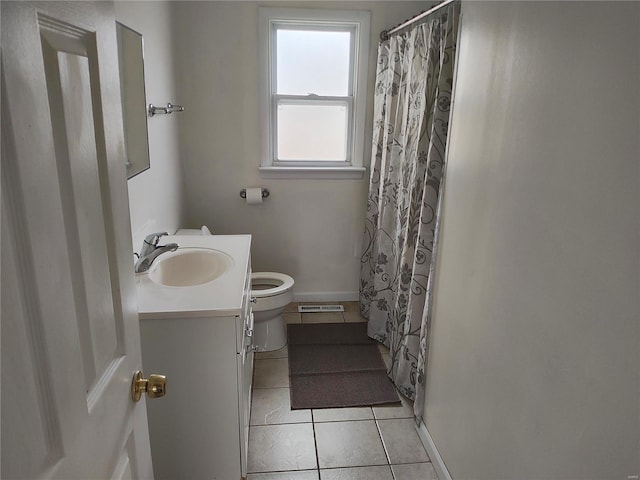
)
(151, 250)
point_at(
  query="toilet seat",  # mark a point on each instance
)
(286, 284)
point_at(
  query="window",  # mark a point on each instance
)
(313, 92)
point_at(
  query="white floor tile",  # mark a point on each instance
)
(381, 472)
(323, 317)
(349, 444)
(292, 307)
(281, 447)
(401, 441)
(300, 475)
(292, 317)
(271, 373)
(282, 353)
(394, 411)
(353, 317)
(414, 471)
(342, 414)
(386, 358)
(351, 306)
(271, 406)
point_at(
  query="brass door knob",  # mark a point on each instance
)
(155, 386)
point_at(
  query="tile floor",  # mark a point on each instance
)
(369, 443)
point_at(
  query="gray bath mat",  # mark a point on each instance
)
(336, 365)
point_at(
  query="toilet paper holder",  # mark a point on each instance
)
(265, 192)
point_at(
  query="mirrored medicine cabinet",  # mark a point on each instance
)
(134, 106)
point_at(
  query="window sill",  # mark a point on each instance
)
(348, 173)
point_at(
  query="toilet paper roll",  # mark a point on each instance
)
(254, 196)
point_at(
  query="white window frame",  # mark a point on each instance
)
(344, 20)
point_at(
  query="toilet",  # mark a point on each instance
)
(272, 292)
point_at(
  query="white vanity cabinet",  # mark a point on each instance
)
(199, 429)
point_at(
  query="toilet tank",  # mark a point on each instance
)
(204, 230)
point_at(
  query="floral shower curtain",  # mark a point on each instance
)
(414, 79)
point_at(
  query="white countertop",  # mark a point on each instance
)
(220, 297)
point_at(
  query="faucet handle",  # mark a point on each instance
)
(154, 238)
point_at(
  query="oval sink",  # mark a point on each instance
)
(188, 267)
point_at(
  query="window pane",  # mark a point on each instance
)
(313, 62)
(312, 132)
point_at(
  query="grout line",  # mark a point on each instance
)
(393, 475)
(315, 444)
(279, 424)
(384, 446)
(283, 471)
(272, 388)
(342, 420)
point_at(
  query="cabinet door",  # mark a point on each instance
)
(245, 381)
(245, 373)
(194, 430)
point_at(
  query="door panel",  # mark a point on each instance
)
(70, 86)
(29, 418)
(70, 335)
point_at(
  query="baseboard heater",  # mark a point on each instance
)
(320, 308)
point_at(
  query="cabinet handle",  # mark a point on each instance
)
(248, 326)
(254, 300)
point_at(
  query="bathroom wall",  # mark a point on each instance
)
(156, 196)
(534, 362)
(310, 229)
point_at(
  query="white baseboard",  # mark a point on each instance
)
(432, 451)
(325, 296)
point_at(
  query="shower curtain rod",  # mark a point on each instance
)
(384, 35)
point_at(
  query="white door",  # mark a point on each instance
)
(70, 335)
